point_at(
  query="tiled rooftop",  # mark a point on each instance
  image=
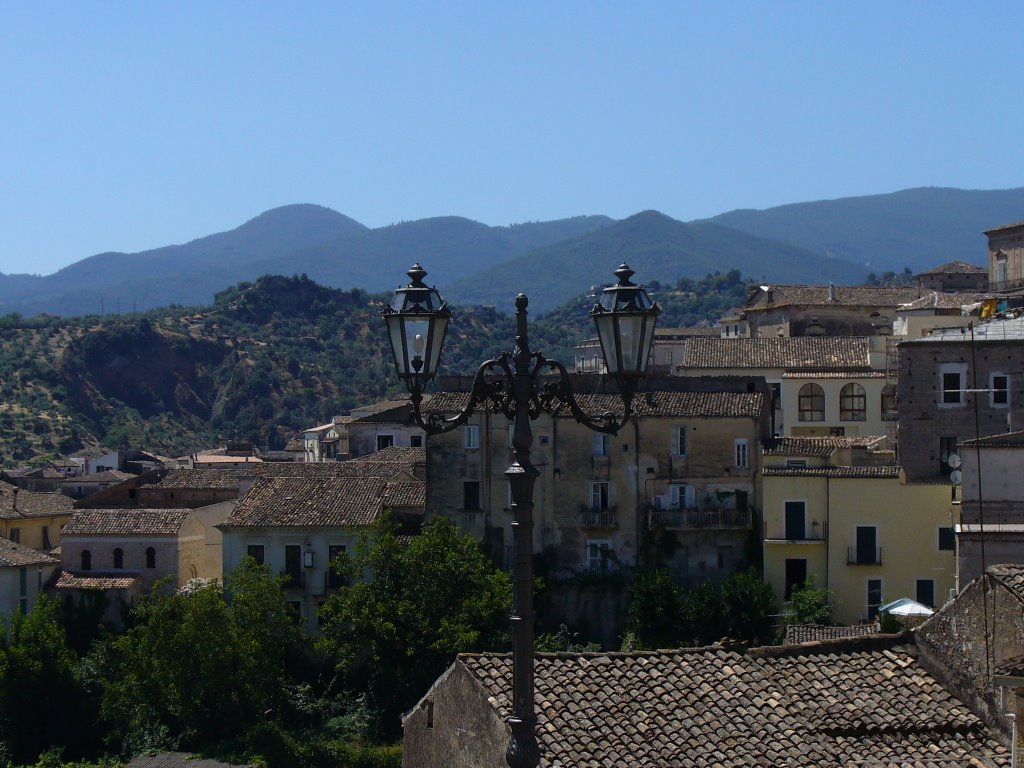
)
(810, 633)
(854, 374)
(384, 412)
(846, 353)
(13, 555)
(833, 472)
(667, 404)
(178, 760)
(1010, 576)
(1005, 440)
(405, 495)
(106, 476)
(31, 504)
(942, 300)
(955, 268)
(96, 580)
(125, 522)
(863, 701)
(819, 447)
(297, 502)
(1011, 329)
(828, 295)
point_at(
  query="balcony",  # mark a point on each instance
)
(293, 579)
(776, 533)
(863, 555)
(597, 518)
(697, 519)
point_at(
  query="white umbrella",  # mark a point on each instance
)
(906, 607)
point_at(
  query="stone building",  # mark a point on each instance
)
(382, 425)
(1006, 257)
(954, 277)
(666, 351)
(677, 484)
(860, 701)
(33, 519)
(956, 385)
(24, 572)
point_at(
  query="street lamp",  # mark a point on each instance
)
(521, 385)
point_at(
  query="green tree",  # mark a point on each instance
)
(424, 601)
(38, 679)
(748, 603)
(704, 615)
(807, 605)
(655, 615)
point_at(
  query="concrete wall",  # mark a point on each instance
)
(102, 549)
(31, 531)
(923, 419)
(873, 424)
(362, 437)
(454, 726)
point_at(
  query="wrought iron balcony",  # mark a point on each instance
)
(863, 555)
(696, 519)
(597, 518)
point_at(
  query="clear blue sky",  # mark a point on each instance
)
(130, 125)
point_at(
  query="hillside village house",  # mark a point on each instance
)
(24, 572)
(956, 385)
(298, 526)
(991, 528)
(33, 519)
(866, 701)
(146, 544)
(834, 385)
(838, 510)
(954, 277)
(381, 425)
(327, 442)
(935, 311)
(684, 470)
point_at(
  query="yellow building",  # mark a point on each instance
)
(838, 510)
(33, 519)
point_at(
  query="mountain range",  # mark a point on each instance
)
(473, 263)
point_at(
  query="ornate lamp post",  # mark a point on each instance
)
(521, 385)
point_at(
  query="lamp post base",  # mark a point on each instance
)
(523, 750)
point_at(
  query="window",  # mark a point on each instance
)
(796, 575)
(811, 403)
(118, 559)
(742, 453)
(925, 592)
(416, 441)
(999, 390)
(334, 578)
(471, 436)
(889, 410)
(255, 551)
(385, 441)
(725, 559)
(667, 358)
(796, 521)
(598, 554)
(86, 560)
(46, 537)
(796, 462)
(947, 447)
(293, 565)
(599, 496)
(947, 539)
(742, 501)
(679, 441)
(874, 597)
(150, 557)
(23, 581)
(853, 403)
(866, 551)
(16, 535)
(951, 384)
(471, 495)
(602, 444)
(682, 496)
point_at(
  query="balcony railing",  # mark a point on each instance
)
(694, 519)
(815, 534)
(863, 556)
(597, 518)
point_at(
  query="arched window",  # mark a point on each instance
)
(889, 402)
(853, 403)
(811, 403)
(86, 560)
(150, 557)
(118, 559)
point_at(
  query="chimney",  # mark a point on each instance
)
(14, 501)
(832, 292)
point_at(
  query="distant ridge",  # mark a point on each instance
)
(814, 242)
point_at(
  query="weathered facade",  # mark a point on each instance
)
(24, 573)
(957, 385)
(1006, 257)
(676, 486)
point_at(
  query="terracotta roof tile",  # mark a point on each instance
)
(834, 472)
(809, 633)
(125, 522)
(1010, 576)
(955, 268)
(847, 353)
(821, 295)
(32, 504)
(106, 476)
(387, 463)
(1005, 440)
(296, 502)
(831, 704)
(405, 495)
(820, 447)
(942, 300)
(14, 555)
(179, 760)
(96, 580)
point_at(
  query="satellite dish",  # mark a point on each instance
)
(954, 461)
(956, 476)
